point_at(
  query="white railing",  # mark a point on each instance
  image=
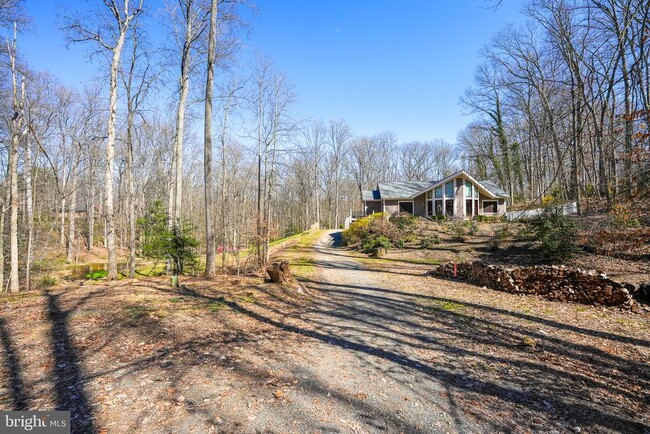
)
(567, 209)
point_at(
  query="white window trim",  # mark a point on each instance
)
(483, 207)
(412, 202)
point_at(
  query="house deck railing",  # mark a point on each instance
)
(567, 209)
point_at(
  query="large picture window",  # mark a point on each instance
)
(468, 189)
(449, 189)
(438, 192)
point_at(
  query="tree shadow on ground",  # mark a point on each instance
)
(19, 395)
(68, 375)
(324, 324)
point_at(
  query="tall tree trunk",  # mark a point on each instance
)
(130, 198)
(210, 250)
(91, 212)
(184, 83)
(224, 205)
(16, 125)
(64, 187)
(73, 205)
(29, 208)
(110, 159)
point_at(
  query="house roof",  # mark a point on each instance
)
(494, 188)
(412, 189)
(402, 189)
(371, 195)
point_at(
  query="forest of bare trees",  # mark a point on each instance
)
(183, 123)
(561, 106)
(562, 103)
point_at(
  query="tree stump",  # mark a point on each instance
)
(279, 272)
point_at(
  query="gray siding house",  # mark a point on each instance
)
(458, 195)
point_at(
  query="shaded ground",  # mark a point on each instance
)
(375, 348)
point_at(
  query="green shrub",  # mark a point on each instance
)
(556, 234)
(373, 245)
(177, 244)
(360, 230)
(400, 244)
(489, 218)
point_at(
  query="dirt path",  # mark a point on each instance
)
(376, 347)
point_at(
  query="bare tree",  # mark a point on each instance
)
(339, 135)
(111, 38)
(16, 128)
(192, 22)
(207, 144)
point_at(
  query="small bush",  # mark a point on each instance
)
(489, 218)
(360, 229)
(373, 245)
(459, 230)
(622, 217)
(556, 234)
(403, 221)
(376, 231)
(472, 227)
(46, 282)
(497, 239)
(429, 242)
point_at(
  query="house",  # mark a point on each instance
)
(458, 195)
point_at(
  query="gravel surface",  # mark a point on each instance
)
(375, 347)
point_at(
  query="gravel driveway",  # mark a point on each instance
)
(380, 351)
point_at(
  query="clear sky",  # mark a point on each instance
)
(380, 65)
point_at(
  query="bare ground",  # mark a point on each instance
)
(376, 347)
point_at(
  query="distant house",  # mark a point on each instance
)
(458, 195)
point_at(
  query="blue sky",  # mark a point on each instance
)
(380, 65)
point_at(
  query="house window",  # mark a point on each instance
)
(468, 189)
(429, 194)
(468, 207)
(449, 207)
(490, 207)
(406, 207)
(438, 204)
(475, 193)
(438, 192)
(449, 189)
(429, 207)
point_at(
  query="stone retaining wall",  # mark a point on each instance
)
(551, 282)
